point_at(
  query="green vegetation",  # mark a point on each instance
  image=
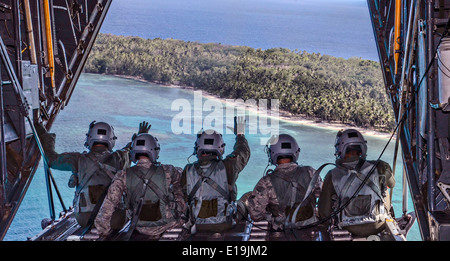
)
(313, 85)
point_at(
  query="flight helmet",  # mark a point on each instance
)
(100, 132)
(283, 145)
(350, 139)
(145, 144)
(209, 141)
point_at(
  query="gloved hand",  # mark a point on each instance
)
(144, 127)
(239, 125)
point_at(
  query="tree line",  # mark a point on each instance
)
(312, 85)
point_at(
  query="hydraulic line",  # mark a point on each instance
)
(397, 32)
(48, 32)
(29, 24)
(404, 193)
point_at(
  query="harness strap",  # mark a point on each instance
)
(95, 211)
(289, 180)
(309, 190)
(370, 184)
(347, 183)
(205, 178)
(80, 188)
(352, 176)
(157, 190)
(295, 186)
(138, 209)
(361, 177)
(216, 187)
(107, 169)
(293, 193)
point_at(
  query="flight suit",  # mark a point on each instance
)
(367, 218)
(276, 196)
(92, 172)
(160, 211)
(210, 208)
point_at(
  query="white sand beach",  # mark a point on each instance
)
(282, 115)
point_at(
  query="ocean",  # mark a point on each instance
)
(340, 28)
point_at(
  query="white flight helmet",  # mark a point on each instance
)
(100, 132)
(350, 138)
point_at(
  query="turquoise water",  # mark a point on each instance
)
(124, 103)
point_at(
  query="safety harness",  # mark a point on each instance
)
(104, 169)
(195, 207)
(148, 183)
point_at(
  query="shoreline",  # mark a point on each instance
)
(282, 114)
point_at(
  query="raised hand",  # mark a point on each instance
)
(239, 125)
(144, 127)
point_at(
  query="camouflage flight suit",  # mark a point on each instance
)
(330, 200)
(88, 176)
(209, 216)
(276, 196)
(152, 221)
